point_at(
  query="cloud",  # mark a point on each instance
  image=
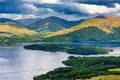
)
(50, 1)
(46, 11)
(29, 8)
(96, 2)
(93, 9)
(43, 1)
(17, 16)
(27, 16)
(67, 9)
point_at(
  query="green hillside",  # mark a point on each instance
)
(82, 68)
(94, 29)
(105, 23)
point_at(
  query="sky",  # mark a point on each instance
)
(66, 9)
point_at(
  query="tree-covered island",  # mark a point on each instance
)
(79, 50)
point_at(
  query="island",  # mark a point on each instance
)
(79, 50)
(85, 68)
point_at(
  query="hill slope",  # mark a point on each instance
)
(106, 77)
(11, 29)
(52, 24)
(106, 24)
(93, 29)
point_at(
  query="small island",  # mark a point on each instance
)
(79, 50)
(84, 68)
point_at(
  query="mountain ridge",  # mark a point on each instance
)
(106, 24)
(53, 24)
(3, 20)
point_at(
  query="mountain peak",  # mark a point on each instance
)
(52, 17)
(100, 16)
(2, 20)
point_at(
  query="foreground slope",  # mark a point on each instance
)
(106, 77)
(81, 68)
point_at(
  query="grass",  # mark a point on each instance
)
(115, 69)
(105, 77)
(15, 30)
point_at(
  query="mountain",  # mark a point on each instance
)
(100, 28)
(52, 24)
(13, 29)
(26, 22)
(2, 20)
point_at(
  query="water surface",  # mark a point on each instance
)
(17, 63)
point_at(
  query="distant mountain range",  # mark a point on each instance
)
(52, 24)
(100, 28)
(26, 22)
(3, 20)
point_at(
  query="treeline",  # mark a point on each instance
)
(20, 39)
(83, 68)
(80, 50)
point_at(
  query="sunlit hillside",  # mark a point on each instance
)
(107, 77)
(105, 23)
(10, 28)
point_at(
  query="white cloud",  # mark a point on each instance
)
(29, 8)
(27, 16)
(17, 16)
(43, 1)
(94, 9)
(50, 1)
(45, 10)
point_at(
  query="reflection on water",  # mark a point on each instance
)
(17, 63)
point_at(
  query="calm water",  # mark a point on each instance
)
(16, 63)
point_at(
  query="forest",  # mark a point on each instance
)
(83, 68)
(79, 50)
